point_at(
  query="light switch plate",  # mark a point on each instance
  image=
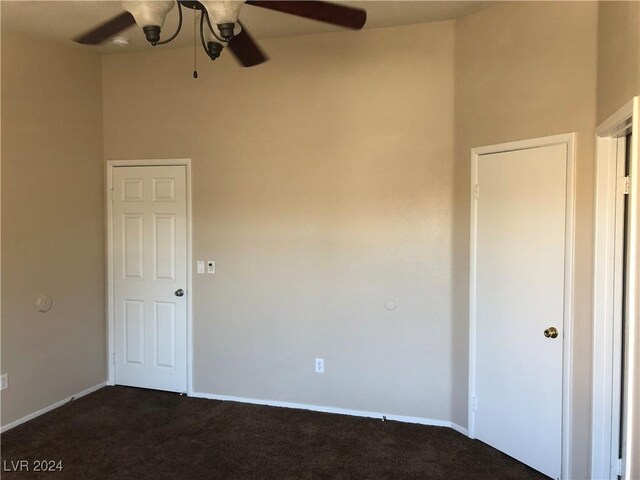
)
(211, 266)
(4, 381)
(200, 265)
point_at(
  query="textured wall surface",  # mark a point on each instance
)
(52, 224)
(618, 55)
(322, 187)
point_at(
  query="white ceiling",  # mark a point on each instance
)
(60, 21)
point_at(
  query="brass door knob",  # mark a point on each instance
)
(551, 332)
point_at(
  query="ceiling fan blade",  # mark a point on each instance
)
(335, 14)
(246, 49)
(106, 30)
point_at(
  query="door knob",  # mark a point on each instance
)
(180, 293)
(551, 332)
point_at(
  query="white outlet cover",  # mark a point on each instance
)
(4, 381)
(200, 266)
(319, 365)
(44, 303)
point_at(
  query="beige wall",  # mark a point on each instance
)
(52, 224)
(322, 187)
(527, 70)
(618, 55)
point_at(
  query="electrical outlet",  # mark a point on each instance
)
(200, 265)
(211, 266)
(4, 381)
(319, 365)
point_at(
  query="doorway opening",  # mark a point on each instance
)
(615, 294)
(149, 284)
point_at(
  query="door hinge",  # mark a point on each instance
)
(113, 358)
(624, 185)
(476, 191)
(475, 404)
(620, 467)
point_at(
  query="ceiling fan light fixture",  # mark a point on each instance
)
(149, 15)
(224, 14)
(226, 30)
(220, 18)
(214, 49)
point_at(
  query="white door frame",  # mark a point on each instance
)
(568, 139)
(186, 162)
(607, 328)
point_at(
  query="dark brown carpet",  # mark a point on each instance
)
(129, 433)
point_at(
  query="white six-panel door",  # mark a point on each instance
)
(520, 293)
(150, 277)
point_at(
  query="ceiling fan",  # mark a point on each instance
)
(218, 20)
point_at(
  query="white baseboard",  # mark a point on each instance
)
(459, 429)
(48, 408)
(336, 410)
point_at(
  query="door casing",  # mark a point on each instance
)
(607, 328)
(186, 162)
(568, 139)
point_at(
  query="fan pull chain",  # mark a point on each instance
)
(195, 65)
